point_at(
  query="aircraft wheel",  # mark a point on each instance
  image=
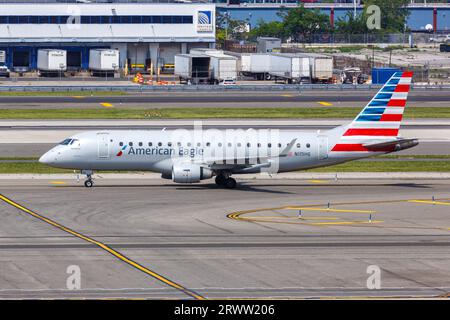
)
(230, 183)
(88, 183)
(220, 180)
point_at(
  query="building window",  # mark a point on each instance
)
(167, 19)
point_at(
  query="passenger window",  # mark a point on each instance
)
(130, 144)
(121, 144)
(239, 144)
(269, 145)
(248, 145)
(259, 145)
(189, 144)
(159, 144)
(298, 145)
(140, 144)
(169, 144)
(150, 144)
(279, 145)
(220, 144)
(208, 144)
(198, 144)
(229, 144)
(308, 145)
(179, 144)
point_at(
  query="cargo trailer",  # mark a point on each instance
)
(290, 67)
(103, 61)
(256, 65)
(51, 62)
(193, 68)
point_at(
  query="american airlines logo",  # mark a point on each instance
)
(204, 21)
(121, 151)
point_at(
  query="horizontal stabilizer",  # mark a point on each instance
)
(390, 146)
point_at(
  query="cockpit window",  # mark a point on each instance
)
(73, 141)
(66, 142)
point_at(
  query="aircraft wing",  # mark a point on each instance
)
(244, 162)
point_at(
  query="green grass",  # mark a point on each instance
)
(60, 93)
(354, 166)
(386, 166)
(209, 113)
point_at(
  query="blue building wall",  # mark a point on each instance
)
(32, 50)
(418, 18)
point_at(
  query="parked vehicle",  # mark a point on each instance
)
(290, 67)
(4, 71)
(103, 61)
(51, 62)
(256, 65)
(193, 68)
(321, 67)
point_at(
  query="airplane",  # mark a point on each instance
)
(189, 156)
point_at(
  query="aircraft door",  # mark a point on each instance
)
(322, 147)
(103, 145)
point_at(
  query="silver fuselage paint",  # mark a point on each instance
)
(157, 151)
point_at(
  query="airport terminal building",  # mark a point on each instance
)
(143, 33)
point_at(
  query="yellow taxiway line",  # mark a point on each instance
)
(330, 210)
(106, 104)
(325, 104)
(108, 249)
(431, 202)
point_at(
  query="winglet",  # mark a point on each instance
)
(285, 151)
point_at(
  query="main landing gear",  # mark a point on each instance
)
(225, 181)
(88, 183)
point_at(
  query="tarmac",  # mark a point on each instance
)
(270, 238)
(295, 99)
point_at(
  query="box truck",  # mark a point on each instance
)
(51, 62)
(290, 67)
(193, 68)
(103, 61)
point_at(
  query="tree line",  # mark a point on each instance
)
(301, 24)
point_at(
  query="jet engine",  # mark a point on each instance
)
(190, 173)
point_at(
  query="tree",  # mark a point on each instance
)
(267, 29)
(393, 14)
(301, 23)
(351, 24)
(227, 28)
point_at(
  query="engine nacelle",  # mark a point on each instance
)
(190, 173)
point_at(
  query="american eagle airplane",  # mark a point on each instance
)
(188, 156)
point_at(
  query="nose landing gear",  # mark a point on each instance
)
(88, 183)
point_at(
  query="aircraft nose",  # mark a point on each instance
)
(46, 158)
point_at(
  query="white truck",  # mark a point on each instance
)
(321, 67)
(51, 61)
(103, 61)
(256, 65)
(193, 68)
(290, 67)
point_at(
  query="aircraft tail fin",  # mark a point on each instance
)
(380, 119)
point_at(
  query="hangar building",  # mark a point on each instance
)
(143, 32)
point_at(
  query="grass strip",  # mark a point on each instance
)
(353, 166)
(209, 113)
